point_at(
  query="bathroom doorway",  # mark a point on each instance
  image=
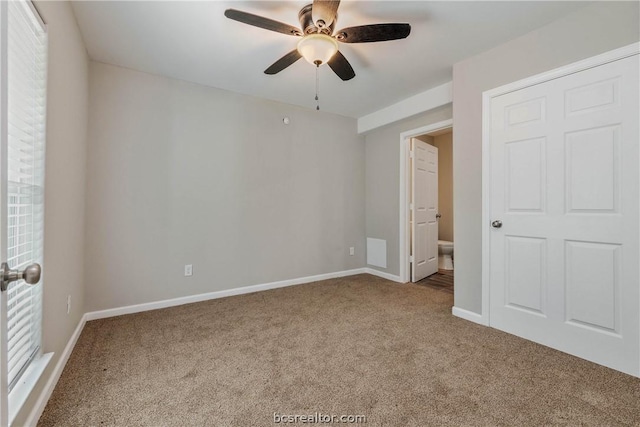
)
(428, 240)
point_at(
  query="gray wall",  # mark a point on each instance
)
(589, 31)
(383, 181)
(185, 174)
(444, 143)
(67, 106)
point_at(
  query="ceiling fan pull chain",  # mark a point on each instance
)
(317, 87)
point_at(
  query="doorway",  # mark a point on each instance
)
(426, 207)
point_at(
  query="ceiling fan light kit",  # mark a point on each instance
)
(317, 48)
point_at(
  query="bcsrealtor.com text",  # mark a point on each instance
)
(318, 418)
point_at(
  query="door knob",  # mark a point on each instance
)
(31, 275)
(438, 216)
(496, 224)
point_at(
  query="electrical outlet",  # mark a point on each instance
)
(68, 304)
(188, 270)
(352, 251)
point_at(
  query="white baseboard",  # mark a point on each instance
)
(138, 308)
(468, 315)
(382, 274)
(40, 404)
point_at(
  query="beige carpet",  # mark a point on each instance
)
(357, 345)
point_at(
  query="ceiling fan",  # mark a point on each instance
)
(319, 43)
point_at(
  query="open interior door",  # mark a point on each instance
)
(424, 208)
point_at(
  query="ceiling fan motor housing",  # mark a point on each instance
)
(307, 24)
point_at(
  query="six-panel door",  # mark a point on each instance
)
(425, 208)
(564, 182)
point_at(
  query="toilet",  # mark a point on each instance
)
(445, 255)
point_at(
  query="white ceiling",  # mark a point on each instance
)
(193, 41)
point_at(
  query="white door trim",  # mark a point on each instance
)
(487, 96)
(405, 138)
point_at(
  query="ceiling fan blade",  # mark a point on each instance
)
(283, 62)
(325, 11)
(341, 66)
(373, 33)
(259, 21)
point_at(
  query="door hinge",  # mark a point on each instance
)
(411, 154)
(411, 206)
(411, 258)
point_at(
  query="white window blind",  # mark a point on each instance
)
(26, 99)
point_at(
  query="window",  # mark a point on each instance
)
(26, 50)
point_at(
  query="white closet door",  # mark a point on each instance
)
(565, 186)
